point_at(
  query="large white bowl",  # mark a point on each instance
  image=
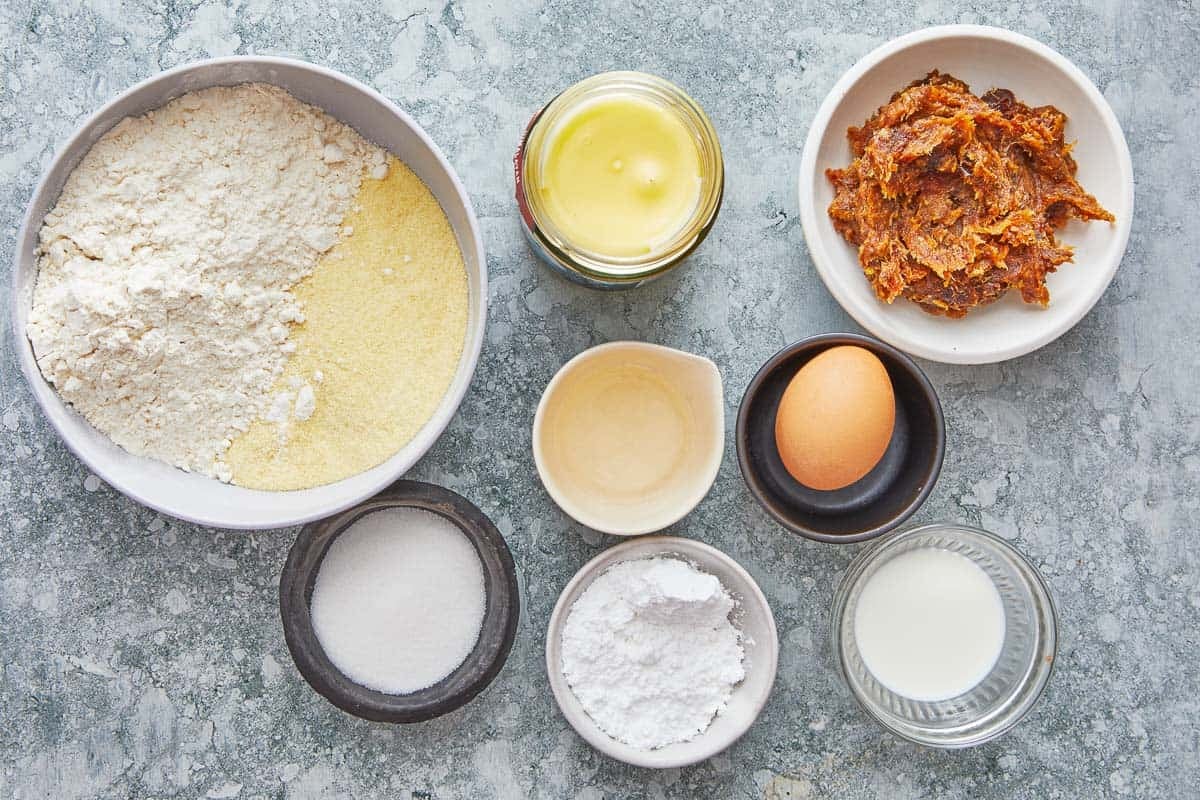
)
(760, 644)
(194, 497)
(984, 57)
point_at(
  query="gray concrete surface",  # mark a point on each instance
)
(141, 657)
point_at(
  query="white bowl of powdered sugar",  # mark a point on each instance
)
(136, 388)
(661, 651)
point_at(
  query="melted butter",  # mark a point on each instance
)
(620, 176)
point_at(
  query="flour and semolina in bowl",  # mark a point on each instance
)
(242, 286)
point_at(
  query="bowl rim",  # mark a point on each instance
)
(497, 632)
(704, 481)
(224, 515)
(808, 176)
(1038, 677)
(822, 342)
(583, 724)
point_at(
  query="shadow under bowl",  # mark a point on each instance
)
(879, 501)
(496, 635)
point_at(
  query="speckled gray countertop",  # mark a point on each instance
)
(142, 657)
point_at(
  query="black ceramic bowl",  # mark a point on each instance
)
(496, 635)
(881, 499)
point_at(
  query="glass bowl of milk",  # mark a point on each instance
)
(945, 634)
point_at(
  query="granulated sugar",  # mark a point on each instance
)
(399, 600)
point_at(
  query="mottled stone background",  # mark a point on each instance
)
(142, 657)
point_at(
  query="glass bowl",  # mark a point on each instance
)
(998, 702)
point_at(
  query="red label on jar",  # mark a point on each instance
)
(519, 170)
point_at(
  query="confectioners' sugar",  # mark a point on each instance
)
(650, 651)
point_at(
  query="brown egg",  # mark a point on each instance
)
(835, 418)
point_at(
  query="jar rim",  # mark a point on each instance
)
(597, 265)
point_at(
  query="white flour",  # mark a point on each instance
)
(161, 307)
(650, 651)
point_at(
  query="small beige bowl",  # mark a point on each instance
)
(752, 616)
(649, 502)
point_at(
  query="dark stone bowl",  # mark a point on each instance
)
(879, 501)
(496, 635)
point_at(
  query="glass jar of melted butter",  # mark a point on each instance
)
(618, 179)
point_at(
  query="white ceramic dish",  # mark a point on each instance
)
(193, 497)
(578, 488)
(984, 57)
(760, 643)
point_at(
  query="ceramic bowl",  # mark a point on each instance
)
(588, 498)
(985, 58)
(760, 643)
(194, 497)
(501, 612)
(1012, 686)
(883, 498)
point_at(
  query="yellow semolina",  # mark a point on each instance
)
(385, 320)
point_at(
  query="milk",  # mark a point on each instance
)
(929, 624)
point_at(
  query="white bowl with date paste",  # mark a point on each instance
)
(985, 58)
(194, 497)
(752, 616)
